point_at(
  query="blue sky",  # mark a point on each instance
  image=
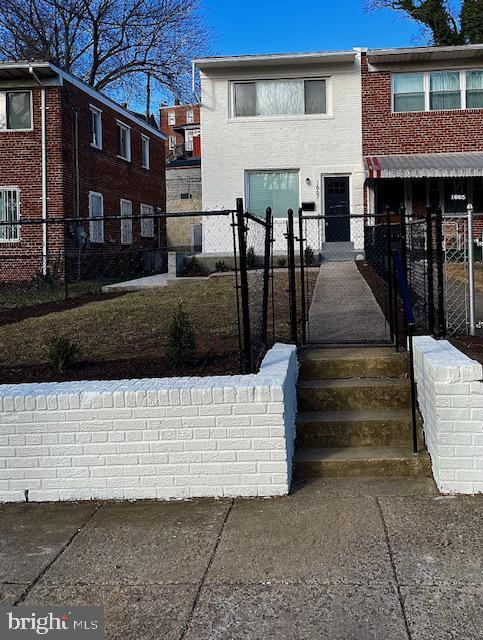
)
(276, 26)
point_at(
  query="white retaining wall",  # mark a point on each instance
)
(154, 438)
(450, 396)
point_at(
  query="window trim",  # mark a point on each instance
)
(127, 128)
(96, 110)
(285, 116)
(191, 119)
(93, 220)
(147, 140)
(427, 93)
(17, 224)
(171, 147)
(143, 219)
(171, 116)
(129, 219)
(6, 129)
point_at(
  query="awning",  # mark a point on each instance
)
(425, 165)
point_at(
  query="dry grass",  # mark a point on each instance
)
(459, 271)
(136, 324)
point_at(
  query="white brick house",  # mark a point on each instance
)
(280, 130)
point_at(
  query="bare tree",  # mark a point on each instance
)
(110, 44)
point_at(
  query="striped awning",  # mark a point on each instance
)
(425, 165)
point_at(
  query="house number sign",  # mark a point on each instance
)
(458, 196)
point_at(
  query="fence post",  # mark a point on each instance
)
(403, 239)
(430, 259)
(390, 280)
(266, 274)
(471, 271)
(242, 249)
(291, 277)
(302, 277)
(440, 272)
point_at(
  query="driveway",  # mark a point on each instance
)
(339, 559)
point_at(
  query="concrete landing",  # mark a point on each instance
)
(343, 307)
(148, 282)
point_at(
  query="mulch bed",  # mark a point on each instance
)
(472, 346)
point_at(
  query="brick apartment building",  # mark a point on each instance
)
(422, 128)
(67, 151)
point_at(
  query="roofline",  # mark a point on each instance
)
(100, 97)
(409, 50)
(214, 61)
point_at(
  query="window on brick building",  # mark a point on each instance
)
(15, 110)
(474, 89)
(145, 152)
(171, 118)
(9, 212)
(190, 116)
(408, 92)
(172, 143)
(96, 217)
(123, 141)
(126, 224)
(96, 127)
(444, 90)
(147, 221)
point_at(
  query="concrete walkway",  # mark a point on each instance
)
(343, 307)
(340, 559)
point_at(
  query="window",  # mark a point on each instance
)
(145, 152)
(171, 118)
(444, 90)
(408, 92)
(96, 215)
(172, 142)
(123, 133)
(147, 223)
(9, 212)
(276, 189)
(96, 127)
(474, 89)
(190, 116)
(15, 110)
(126, 225)
(188, 143)
(280, 97)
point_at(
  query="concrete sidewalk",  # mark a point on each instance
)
(340, 559)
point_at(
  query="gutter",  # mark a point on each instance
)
(43, 109)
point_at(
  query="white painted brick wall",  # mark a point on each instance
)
(162, 438)
(450, 396)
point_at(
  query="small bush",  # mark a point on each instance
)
(62, 353)
(181, 347)
(281, 262)
(220, 266)
(309, 256)
(251, 259)
(47, 280)
(192, 267)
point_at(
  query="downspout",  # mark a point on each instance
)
(43, 127)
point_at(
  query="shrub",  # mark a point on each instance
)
(220, 266)
(47, 280)
(62, 353)
(251, 259)
(181, 347)
(309, 256)
(281, 262)
(192, 267)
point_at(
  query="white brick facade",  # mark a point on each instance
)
(153, 438)
(450, 395)
(315, 145)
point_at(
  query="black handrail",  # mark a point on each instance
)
(411, 325)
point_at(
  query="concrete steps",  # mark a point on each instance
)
(354, 415)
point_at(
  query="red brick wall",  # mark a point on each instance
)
(180, 111)
(385, 133)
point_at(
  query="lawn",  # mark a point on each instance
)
(19, 297)
(126, 336)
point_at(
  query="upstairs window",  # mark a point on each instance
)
(190, 116)
(15, 110)
(145, 152)
(172, 143)
(408, 92)
(123, 141)
(171, 118)
(474, 89)
(444, 90)
(280, 97)
(96, 127)
(9, 212)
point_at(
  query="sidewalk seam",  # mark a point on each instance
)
(394, 570)
(205, 573)
(57, 556)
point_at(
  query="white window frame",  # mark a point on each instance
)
(171, 118)
(126, 225)
(127, 129)
(172, 143)
(192, 136)
(286, 116)
(190, 116)
(147, 224)
(289, 170)
(96, 224)
(17, 228)
(98, 112)
(427, 93)
(145, 144)
(3, 110)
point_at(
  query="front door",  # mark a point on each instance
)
(337, 208)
